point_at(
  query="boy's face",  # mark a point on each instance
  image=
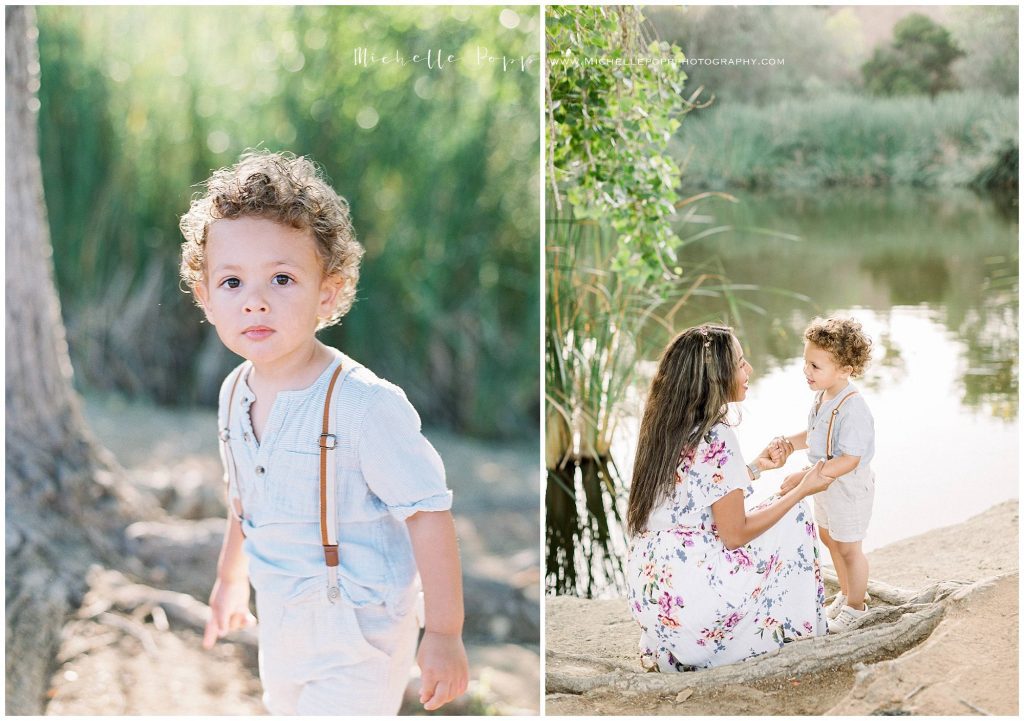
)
(264, 289)
(821, 370)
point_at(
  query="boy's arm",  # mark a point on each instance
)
(798, 440)
(840, 466)
(229, 599)
(442, 657)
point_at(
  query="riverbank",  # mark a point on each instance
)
(931, 678)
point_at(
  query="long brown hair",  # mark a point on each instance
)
(689, 394)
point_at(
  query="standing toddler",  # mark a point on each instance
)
(840, 431)
(329, 527)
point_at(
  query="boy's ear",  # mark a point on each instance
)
(203, 295)
(330, 286)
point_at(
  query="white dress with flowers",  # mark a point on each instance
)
(699, 604)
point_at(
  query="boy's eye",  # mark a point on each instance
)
(282, 279)
(231, 282)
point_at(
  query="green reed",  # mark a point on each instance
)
(958, 139)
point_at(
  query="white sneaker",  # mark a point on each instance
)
(846, 620)
(833, 609)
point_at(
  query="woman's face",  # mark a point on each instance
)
(741, 377)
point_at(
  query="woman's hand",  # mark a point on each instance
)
(814, 481)
(773, 456)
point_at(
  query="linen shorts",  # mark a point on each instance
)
(844, 509)
(323, 658)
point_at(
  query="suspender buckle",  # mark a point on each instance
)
(328, 441)
(331, 555)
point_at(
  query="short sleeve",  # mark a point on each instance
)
(398, 463)
(717, 467)
(856, 430)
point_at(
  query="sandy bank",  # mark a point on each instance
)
(968, 665)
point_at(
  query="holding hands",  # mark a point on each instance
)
(809, 480)
(775, 454)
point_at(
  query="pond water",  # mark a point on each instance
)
(934, 280)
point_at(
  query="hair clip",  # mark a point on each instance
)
(704, 332)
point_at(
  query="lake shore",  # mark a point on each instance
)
(931, 678)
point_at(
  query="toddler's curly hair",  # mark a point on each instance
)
(843, 339)
(288, 190)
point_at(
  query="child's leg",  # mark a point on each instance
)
(856, 564)
(837, 560)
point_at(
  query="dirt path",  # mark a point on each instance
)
(934, 678)
(122, 663)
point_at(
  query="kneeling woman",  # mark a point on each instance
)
(711, 583)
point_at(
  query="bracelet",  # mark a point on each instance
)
(755, 470)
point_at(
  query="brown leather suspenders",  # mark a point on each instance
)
(831, 422)
(328, 491)
(328, 504)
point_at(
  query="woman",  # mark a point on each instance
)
(709, 582)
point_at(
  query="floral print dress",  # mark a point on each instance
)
(701, 605)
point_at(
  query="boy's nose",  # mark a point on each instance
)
(255, 304)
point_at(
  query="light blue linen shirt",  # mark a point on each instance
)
(385, 472)
(853, 433)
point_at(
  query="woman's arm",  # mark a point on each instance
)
(442, 657)
(736, 528)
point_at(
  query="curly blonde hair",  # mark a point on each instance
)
(288, 190)
(844, 340)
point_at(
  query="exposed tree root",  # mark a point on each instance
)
(897, 620)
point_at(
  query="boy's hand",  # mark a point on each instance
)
(443, 667)
(229, 610)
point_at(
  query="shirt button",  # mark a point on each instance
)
(260, 470)
(246, 437)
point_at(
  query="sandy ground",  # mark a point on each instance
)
(115, 664)
(968, 665)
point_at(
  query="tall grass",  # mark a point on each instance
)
(847, 139)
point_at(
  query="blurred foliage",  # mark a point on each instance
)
(917, 62)
(990, 37)
(847, 139)
(818, 45)
(139, 104)
(824, 46)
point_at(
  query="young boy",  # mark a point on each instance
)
(329, 527)
(840, 430)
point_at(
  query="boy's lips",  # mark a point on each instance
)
(256, 332)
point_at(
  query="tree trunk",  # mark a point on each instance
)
(66, 505)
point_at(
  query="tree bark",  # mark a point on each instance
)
(66, 504)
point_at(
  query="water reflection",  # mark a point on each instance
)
(952, 255)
